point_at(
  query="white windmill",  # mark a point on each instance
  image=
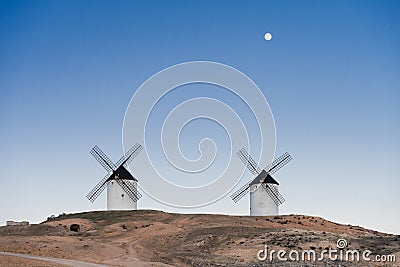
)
(264, 195)
(122, 193)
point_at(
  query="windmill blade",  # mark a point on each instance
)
(101, 161)
(129, 189)
(99, 188)
(134, 190)
(130, 155)
(274, 194)
(102, 158)
(249, 161)
(279, 163)
(241, 192)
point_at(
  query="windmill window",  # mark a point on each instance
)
(122, 195)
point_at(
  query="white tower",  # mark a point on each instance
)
(264, 195)
(118, 199)
(261, 203)
(122, 193)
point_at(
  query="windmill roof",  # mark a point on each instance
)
(270, 180)
(264, 177)
(123, 173)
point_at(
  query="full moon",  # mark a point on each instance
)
(268, 36)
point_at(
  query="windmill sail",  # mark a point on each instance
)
(279, 163)
(249, 161)
(274, 194)
(99, 188)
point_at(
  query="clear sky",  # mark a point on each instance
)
(68, 70)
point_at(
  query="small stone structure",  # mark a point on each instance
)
(12, 223)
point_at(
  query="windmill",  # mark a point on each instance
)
(264, 195)
(122, 193)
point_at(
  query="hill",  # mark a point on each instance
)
(155, 238)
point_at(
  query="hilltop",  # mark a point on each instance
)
(155, 238)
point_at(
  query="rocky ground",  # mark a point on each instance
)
(154, 238)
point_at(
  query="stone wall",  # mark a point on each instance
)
(12, 223)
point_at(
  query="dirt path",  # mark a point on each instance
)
(53, 260)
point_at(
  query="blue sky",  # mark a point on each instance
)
(68, 70)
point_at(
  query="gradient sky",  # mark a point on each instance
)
(68, 70)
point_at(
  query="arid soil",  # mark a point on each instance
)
(154, 238)
(15, 261)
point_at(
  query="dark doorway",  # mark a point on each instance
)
(75, 227)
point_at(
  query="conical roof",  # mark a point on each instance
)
(264, 177)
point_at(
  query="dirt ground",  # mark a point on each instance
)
(17, 262)
(154, 238)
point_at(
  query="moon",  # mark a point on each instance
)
(268, 36)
